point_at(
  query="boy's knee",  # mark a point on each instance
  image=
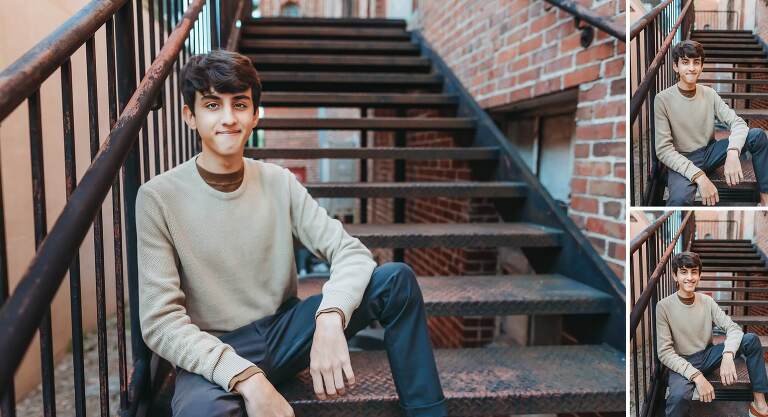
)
(399, 277)
(756, 138)
(680, 198)
(750, 340)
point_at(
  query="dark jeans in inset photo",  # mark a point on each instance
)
(682, 191)
(280, 345)
(706, 361)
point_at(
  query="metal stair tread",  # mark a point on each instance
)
(491, 295)
(735, 278)
(339, 62)
(733, 289)
(750, 320)
(732, 81)
(484, 381)
(357, 33)
(750, 179)
(294, 99)
(457, 153)
(454, 235)
(752, 114)
(369, 123)
(742, 381)
(318, 46)
(327, 21)
(419, 189)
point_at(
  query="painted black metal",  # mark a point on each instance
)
(398, 254)
(601, 22)
(7, 399)
(576, 258)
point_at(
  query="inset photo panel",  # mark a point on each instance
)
(699, 103)
(698, 321)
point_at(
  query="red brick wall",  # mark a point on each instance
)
(505, 51)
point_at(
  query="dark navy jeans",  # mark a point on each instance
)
(682, 191)
(280, 344)
(706, 361)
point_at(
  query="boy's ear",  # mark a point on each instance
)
(189, 117)
(255, 119)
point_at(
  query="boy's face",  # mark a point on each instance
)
(689, 69)
(224, 121)
(687, 278)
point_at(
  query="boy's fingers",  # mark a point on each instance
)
(317, 384)
(350, 375)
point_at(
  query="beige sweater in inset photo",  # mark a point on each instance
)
(683, 330)
(211, 261)
(685, 124)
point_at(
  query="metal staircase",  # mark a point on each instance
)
(378, 64)
(736, 60)
(740, 265)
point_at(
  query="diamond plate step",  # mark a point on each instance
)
(483, 382)
(454, 235)
(254, 46)
(347, 81)
(411, 189)
(325, 62)
(421, 154)
(734, 278)
(378, 100)
(309, 32)
(331, 22)
(498, 295)
(371, 123)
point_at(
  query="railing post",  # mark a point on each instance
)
(126, 84)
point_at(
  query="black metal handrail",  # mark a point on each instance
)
(28, 306)
(650, 280)
(651, 72)
(717, 20)
(601, 22)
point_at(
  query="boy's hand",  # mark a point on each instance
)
(262, 399)
(708, 191)
(329, 357)
(728, 374)
(706, 392)
(733, 173)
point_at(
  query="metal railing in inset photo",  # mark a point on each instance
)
(650, 280)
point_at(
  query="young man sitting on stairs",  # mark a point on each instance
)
(684, 331)
(218, 279)
(685, 116)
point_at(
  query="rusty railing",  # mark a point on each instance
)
(176, 30)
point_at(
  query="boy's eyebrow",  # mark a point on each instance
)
(215, 97)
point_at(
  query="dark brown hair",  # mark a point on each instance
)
(223, 71)
(685, 260)
(687, 49)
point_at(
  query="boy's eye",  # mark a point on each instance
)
(211, 106)
(241, 105)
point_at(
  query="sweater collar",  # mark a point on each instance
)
(191, 167)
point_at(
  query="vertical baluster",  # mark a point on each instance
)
(7, 399)
(98, 233)
(70, 174)
(142, 72)
(117, 223)
(172, 97)
(152, 54)
(131, 170)
(41, 228)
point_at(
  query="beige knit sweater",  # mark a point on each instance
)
(685, 124)
(212, 261)
(686, 329)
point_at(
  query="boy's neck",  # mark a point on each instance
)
(218, 164)
(685, 294)
(685, 86)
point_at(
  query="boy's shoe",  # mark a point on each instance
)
(754, 413)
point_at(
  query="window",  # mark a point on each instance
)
(290, 9)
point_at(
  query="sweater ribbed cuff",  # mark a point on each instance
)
(339, 300)
(690, 372)
(230, 364)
